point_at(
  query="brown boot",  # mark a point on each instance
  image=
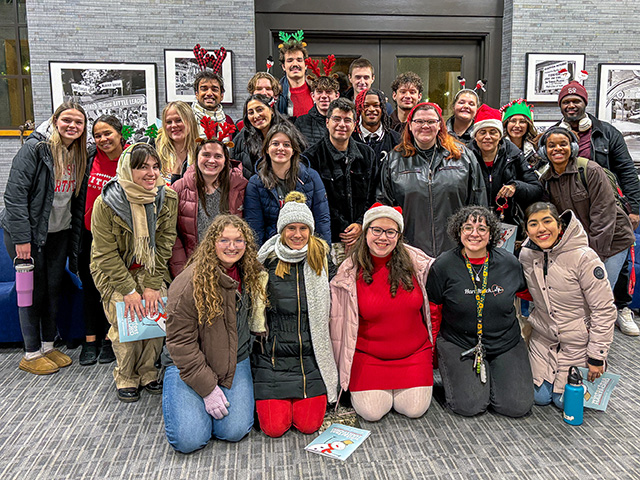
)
(59, 358)
(38, 366)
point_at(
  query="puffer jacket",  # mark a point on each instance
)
(262, 206)
(28, 198)
(313, 126)
(113, 243)
(350, 179)
(188, 201)
(574, 313)
(509, 168)
(344, 321)
(608, 227)
(206, 354)
(286, 366)
(430, 188)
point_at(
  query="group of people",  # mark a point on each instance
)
(331, 247)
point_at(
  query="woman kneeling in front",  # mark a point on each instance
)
(380, 323)
(482, 356)
(208, 391)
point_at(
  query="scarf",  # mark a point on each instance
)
(318, 305)
(200, 112)
(144, 249)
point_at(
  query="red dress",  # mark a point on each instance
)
(393, 350)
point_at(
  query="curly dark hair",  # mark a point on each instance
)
(475, 213)
(407, 78)
(291, 47)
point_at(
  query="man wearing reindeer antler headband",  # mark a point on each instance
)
(296, 94)
(603, 143)
(208, 87)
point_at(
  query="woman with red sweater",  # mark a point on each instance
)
(214, 184)
(482, 357)
(107, 133)
(380, 322)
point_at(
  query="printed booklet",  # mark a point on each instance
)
(132, 329)
(338, 441)
(598, 392)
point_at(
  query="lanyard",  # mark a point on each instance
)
(478, 350)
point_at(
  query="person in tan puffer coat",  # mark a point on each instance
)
(574, 314)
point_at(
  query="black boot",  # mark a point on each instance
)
(106, 352)
(89, 353)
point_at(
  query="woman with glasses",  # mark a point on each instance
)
(208, 386)
(482, 357)
(380, 323)
(512, 184)
(280, 172)
(430, 175)
(293, 367)
(214, 184)
(517, 120)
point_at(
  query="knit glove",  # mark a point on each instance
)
(216, 404)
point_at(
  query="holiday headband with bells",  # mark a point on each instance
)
(210, 128)
(205, 59)
(292, 39)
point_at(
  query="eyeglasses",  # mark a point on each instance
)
(391, 233)
(481, 229)
(276, 144)
(429, 123)
(338, 120)
(225, 242)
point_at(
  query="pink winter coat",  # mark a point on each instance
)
(343, 324)
(187, 226)
(574, 314)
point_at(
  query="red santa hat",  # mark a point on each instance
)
(487, 117)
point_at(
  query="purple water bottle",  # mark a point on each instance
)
(24, 282)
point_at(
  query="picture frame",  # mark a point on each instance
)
(181, 68)
(126, 90)
(619, 101)
(543, 125)
(543, 78)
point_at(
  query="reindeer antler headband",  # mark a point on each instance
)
(327, 65)
(210, 128)
(204, 58)
(292, 39)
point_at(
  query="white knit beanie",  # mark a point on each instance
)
(379, 210)
(295, 210)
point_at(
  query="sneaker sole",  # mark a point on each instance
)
(628, 334)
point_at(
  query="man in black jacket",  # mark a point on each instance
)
(349, 172)
(374, 124)
(313, 125)
(407, 92)
(603, 143)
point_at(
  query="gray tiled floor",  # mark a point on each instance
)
(70, 425)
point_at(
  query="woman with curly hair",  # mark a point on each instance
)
(208, 387)
(380, 323)
(177, 139)
(430, 175)
(482, 356)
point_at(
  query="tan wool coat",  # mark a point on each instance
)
(574, 313)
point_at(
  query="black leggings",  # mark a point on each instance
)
(95, 321)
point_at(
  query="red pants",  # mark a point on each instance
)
(277, 416)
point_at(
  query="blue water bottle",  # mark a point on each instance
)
(573, 397)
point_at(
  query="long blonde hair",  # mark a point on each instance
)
(207, 269)
(316, 257)
(76, 153)
(164, 144)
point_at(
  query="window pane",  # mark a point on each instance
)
(22, 11)
(7, 11)
(10, 103)
(28, 99)
(439, 77)
(8, 59)
(24, 52)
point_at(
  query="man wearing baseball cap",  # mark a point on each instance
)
(603, 143)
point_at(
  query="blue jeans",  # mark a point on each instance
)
(543, 395)
(613, 266)
(187, 424)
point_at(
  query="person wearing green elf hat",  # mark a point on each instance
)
(517, 119)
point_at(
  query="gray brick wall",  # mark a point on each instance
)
(132, 30)
(605, 32)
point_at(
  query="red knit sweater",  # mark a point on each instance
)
(301, 99)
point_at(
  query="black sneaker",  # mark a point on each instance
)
(154, 388)
(128, 395)
(106, 352)
(89, 353)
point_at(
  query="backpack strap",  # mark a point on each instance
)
(581, 162)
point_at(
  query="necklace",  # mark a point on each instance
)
(477, 270)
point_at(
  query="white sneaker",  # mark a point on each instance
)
(626, 324)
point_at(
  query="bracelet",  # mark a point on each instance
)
(131, 292)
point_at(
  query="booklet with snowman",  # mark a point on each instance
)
(338, 441)
(132, 328)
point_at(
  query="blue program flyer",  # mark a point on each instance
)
(338, 441)
(133, 329)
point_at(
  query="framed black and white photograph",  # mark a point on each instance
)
(125, 90)
(542, 125)
(547, 73)
(181, 68)
(619, 101)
